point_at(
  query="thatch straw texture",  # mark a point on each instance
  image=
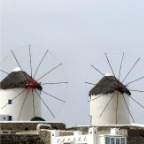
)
(17, 79)
(108, 84)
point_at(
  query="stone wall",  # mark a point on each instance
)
(135, 136)
(19, 139)
(21, 132)
(21, 126)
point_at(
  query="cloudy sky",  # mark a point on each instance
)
(76, 32)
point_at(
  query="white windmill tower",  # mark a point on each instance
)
(38, 82)
(17, 89)
(112, 98)
(110, 94)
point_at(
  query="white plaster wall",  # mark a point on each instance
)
(77, 138)
(3, 117)
(101, 140)
(16, 106)
(109, 115)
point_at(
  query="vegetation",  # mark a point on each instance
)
(37, 119)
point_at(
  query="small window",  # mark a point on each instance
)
(117, 141)
(9, 101)
(10, 118)
(112, 141)
(122, 140)
(107, 140)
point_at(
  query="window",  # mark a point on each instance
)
(117, 141)
(122, 140)
(107, 140)
(10, 118)
(9, 101)
(112, 141)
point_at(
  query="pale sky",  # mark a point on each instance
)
(77, 32)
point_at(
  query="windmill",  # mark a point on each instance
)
(36, 83)
(116, 94)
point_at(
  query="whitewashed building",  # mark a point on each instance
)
(92, 137)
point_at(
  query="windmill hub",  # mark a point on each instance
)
(33, 85)
(120, 88)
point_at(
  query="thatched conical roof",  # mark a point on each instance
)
(108, 84)
(18, 79)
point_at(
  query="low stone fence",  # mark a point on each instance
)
(25, 132)
(19, 139)
(28, 125)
